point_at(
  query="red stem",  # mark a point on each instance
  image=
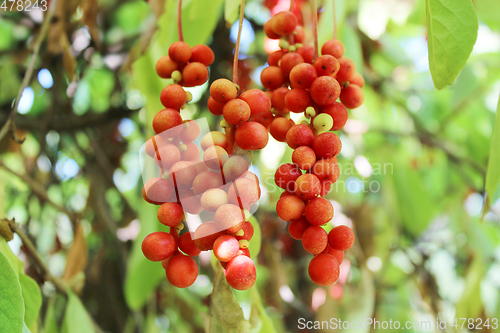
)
(315, 29)
(179, 21)
(237, 47)
(334, 20)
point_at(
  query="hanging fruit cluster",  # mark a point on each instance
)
(303, 82)
(214, 181)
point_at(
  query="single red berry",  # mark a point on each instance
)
(307, 187)
(333, 47)
(158, 191)
(319, 211)
(327, 145)
(179, 52)
(341, 238)
(165, 67)
(181, 271)
(202, 53)
(324, 269)
(167, 120)
(352, 96)
(297, 100)
(236, 111)
(251, 136)
(327, 65)
(339, 114)
(240, 273)
(226, 247)
(158, 246)
(257, 100)
(302, 76)
(304, 157)
(284, 23)
(223, 90)
(314, 239)
(299, 135)
(170, 214)
(286, 175)
(325, 90)
(272, 77)
(173, 97)
(194, 74)
(346, 70)
(206, 234)
(290, 208)
(187, 245)
(289, 61)
(297, 227)
(279, 128)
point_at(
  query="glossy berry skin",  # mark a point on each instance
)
(289, 61)
(194, 74)
(170, 214)
(326, 65)
(341, 238)
(324, 269)
(235, 167)
(275, 57)
(212, 199)
(300, 34)
(279, 128)
(205, 181)
(226, 247)
(284, 23)
(319, 211)
(236, 111)
(290, 208)
(325, 90)
(268, 30)
(307, 187)
(339, 114)
(158, 191)
(187, 245)
(244, 192)
(179, 52)
(248, 231)
(215, 157)
(167, 120)
(223, 90)
(304, 157)
(257, 100)
(158, 246)
(165, 67)
(299, 135)
(190, 132)
(181, 271)
(326, 170)
(240, 273)
(167, 155)
(251, 136)
(183, 174)
(173, 97)
(229, 217)
(272, 77)
(358, 80)
(214, 138)
(327, 145)
(215, 107)
(307, 52)
(297, 100)
(203, 54)
(339, 255)
(206, 234)
(352, 96)
(286, 175)
(314, 239)
(346, 70)
(302, 76)
(278, 98)
(333, 47)
(297, 227)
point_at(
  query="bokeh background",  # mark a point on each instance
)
(412, 187)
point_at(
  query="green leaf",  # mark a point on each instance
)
(14, 261)
(225, 309)
(50, 322)
(26, 329)
(11, 301)
(487, 11)
(32, 299)
(492, 182)
(258, 314)
(76, 318)
(143, 276)
(231, 10)
(256, 241)
(451, 34)
(470, 305)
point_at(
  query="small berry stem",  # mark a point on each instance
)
(237, 47)
(179, 21)
(334, 20)
(291, 5)
(315, 29)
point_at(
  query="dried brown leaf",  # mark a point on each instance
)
(90, 10)
(77, 256)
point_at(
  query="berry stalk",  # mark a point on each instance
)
(237, 47)
(179, 21)
(315, 29)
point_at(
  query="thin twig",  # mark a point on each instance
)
(9, 124)
(237, 47)
(39, 190)
(334, 20)
(315, 29)
(179, 21)
(47, 275)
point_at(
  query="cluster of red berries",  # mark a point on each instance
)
(197, 181)
(302, 84)
(243, 112)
